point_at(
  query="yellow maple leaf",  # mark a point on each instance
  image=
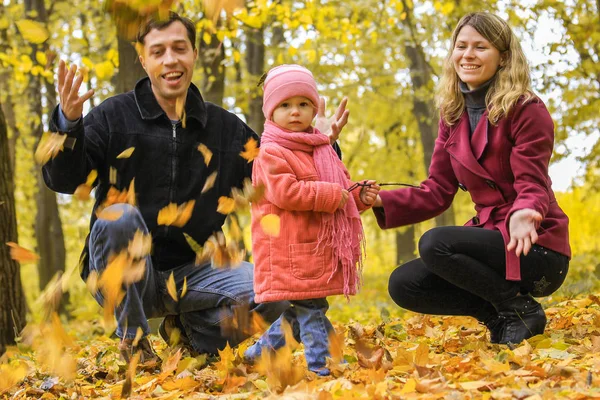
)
(270, 224)
(126, 153)
(225, 363)
(250, 150)
(210, 182)
(171, 288)
(206, 153)
(33, 31)
(21, 254)
(226, 205)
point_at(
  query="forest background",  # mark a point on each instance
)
(385, 56)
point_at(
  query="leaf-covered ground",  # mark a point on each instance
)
(388, 355)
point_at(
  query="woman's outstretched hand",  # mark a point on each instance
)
(522, 230)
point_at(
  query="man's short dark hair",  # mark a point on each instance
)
(160, 24)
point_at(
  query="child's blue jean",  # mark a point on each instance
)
(309, 326)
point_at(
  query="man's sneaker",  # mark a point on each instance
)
(128, 350)
(170, 330)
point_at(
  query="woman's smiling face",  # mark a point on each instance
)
(475, 59)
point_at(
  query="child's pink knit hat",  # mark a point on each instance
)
(286, 81)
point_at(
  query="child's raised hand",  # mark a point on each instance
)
(368, 194)
(344, 199)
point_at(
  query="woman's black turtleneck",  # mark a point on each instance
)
(475, 102)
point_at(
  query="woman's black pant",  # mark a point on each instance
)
(462, 272)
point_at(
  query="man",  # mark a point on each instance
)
(168, 168)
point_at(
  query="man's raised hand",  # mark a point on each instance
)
(71, 103)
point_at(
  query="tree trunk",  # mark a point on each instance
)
(423, 105)
(48, 226)
(255, 61)
(12, 299)
(7, 101)
(405, 245)
(211, 58)
(130, 68)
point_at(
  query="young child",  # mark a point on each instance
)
(318, 251)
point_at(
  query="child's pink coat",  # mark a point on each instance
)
(288, 267)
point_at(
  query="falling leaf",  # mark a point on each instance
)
(193, 244)
(210, 182)
(91, 178)
(140, 245)
(270, 224)
(184, 213)
(131, 193)
(21, 254)
(184, 288)
(180, 108)
(82, 192)
(92, 282)
(110, 215)
(135, 271)
(126, 153)
(112, 175)
(111, 284)
(250, 150)
(138, 335)
(129, 15)
(234, 228)
(32, 31)
(176, 215)
(226, 205)
(206, 153)
(128, 384)
(171, 288)
(167, 215)
(49, 147)
(213, 8)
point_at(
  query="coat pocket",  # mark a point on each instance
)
(305, 262)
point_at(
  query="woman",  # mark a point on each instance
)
(495, 141)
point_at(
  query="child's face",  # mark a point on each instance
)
(294, 114)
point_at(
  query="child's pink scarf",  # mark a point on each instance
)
(343, 229)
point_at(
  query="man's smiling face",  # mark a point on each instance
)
(168, 59)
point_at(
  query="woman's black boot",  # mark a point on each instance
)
(494, 324)
(523, 318)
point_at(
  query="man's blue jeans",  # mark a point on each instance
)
(309, 325)
(213, 294)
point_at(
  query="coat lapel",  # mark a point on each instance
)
(459, 145)
(479, 140)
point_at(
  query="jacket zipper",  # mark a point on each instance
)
(173, 167)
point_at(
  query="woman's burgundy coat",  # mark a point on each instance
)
(504, 168)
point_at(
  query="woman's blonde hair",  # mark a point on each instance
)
(512, 81)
